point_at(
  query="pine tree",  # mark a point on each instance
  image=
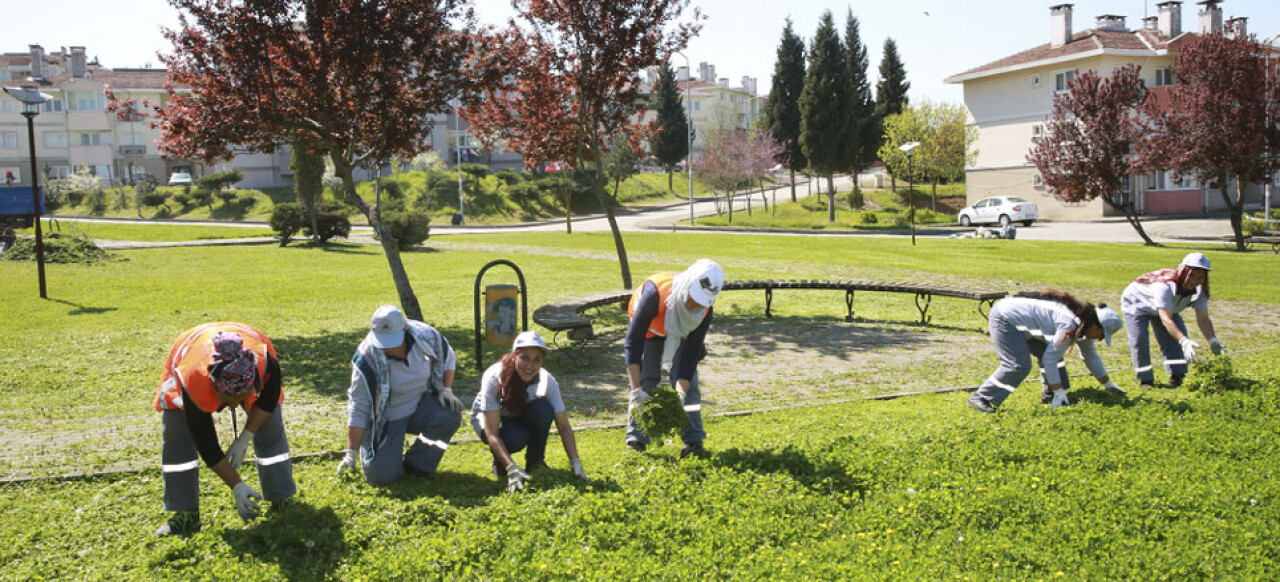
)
(782, 109)
(671, 143)
(863, 129)
(825, 108)
(891, 91)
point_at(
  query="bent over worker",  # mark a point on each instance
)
(669, 317)
(211, 367)
(1153, 302)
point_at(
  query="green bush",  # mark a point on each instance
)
(409, 228)
(187, 198)
(866, 217)
(244, 199)
(154, 198)
(332, 220)
(287, 219)
(509, 177)
(856, 199)
(476, 170)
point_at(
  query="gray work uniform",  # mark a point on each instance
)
(1141, 304)
(1020, 325)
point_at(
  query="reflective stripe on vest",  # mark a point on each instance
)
(187, 367)
(661, 281)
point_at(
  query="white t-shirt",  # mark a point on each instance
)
(1148, 298)
(544, 386)
(1049, 321)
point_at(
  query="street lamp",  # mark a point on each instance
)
(32, 100)
(688, 157)
(908, 149)
(457, 137)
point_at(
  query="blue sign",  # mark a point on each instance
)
(16, 200)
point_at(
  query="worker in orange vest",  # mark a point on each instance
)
(670, 314)
(211, 367)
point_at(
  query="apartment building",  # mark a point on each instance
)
(712, 102)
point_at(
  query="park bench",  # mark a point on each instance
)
(567, 316)
(1264, 239)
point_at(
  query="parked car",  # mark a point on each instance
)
(1000, 210)
(180, 179)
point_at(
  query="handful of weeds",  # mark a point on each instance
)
(1212, 376)
(663, 414)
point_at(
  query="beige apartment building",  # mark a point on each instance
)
(1009, 100)
(711, 103)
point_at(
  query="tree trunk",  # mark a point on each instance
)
(613, 226)
(670, 185)
(568, 204)
(893, 183)
(1236, 208)
(934, 185)
(831, 198)
(617, 182)
(793, 184)
(764, 199)
(408, 300)
(1131, 215)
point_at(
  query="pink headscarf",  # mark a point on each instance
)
(233, 370)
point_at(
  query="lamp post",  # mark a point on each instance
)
(688, 157)
(457, 142)
(31, 100)
(909, 149)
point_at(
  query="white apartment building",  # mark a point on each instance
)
(712, 103)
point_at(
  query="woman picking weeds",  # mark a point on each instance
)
(1154, 301)
(401, 383)
(209, 368)
(1046, 325)
(669, 317)
(517, 402)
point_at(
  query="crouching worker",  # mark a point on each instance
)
(517, 402)
(401, 384)
(1151, 306)
(212, 367)
(670, 315)
(1046, 325)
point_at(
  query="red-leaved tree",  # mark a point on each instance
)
(572, 83)
(1085, 152)
(735, 160)
(1218, 122)
(356, 78)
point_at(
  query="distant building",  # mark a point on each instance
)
(712, 103)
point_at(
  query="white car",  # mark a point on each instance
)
(1000, 210)
(180, 179)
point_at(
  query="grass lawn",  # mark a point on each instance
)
(882, 210)
(148, 232)
(1169, 481)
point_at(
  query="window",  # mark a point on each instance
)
(1061, 81)
(55, 139)
(1037, 132)
(1037, 180)
(1155, 180)
(58, 172)
(136, 139)
(85, 101)
(86, 138)
(1164, 77)
(11, 174)
(696, 105)
(8, 105)
(9, 140)
(53, 105)
(1035, 80)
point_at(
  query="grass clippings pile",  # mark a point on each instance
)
(663, 415)
(59, 248)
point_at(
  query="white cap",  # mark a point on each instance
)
(708, 278)
(1197, 260)
(388, 327)
(1111, 322)
(529, 339)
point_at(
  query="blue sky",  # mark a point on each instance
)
(936, 38)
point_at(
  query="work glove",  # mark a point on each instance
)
(244, 501)
(515, 478)
(239, 447)
(1188, 349)
(576, 466)
(450, 402)
(1111, 385)
(1216, 346)
(1059, 398)
(638, 398)
(349, 461)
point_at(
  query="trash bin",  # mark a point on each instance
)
(500, 311)
(456, 219)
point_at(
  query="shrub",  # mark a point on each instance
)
(408, 227)
(428, 161)
(287, 219)
(476, 171)
(96, 201)
(154, 198)
(220, 181)
(901, 221)
(509, 177)
(855, 199)
(866, 217)
(392, 196)
(244, 199)
(332, 220)
(187, 198)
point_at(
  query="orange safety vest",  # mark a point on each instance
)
(188, 366)
(662, 281)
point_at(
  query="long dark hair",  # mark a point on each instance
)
(513, 391)
(1083, 310)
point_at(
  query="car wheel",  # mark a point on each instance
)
(1027, 222)
(1004, 220)
(964, 220)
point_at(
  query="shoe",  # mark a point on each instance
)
(693, 448)
(535, 465)
(1176, 380)
(636, 446)
(980, 404)
(181, 523)
(1147, 385)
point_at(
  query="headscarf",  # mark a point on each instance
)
(680, 320)
(1177, 276)
(233, 370)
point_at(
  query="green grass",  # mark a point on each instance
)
(1168, 481)
(152, 232)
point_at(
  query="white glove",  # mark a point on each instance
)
(1216, 346)
(1111, 385)
(239, 447)
(244, 501)
(638, 398)
(450, 402)
(1188, 349)
(348, 464)
(576, 466)
(515, 478)
(1059, 398)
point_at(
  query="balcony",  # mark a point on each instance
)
(133, 150)
(88, 121)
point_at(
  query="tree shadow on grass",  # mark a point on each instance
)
(816, 474)
(306, 542)
(318, 364)
(83, 310)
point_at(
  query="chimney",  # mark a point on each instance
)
(1237, 27)
(1110, 22)
(1151, 23)
(1170, 19)
(682, 74)
(37, 61)
(1061, 25)
(1210, 17)
(77, 62)
(706, 72)
(749, 84)
(723, 82)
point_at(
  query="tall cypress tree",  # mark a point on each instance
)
(891, 91)
(782, 109)
(671, 144)
(863, 128)
(825, 109)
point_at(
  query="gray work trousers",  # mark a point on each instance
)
(1141, 327)
(650, 375)
(180, 461)
(434, 426)
(1015, 352)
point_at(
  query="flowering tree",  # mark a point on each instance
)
(1085, 152)
(735, 160)
(1218, 122)
(355, 78)
(571, 87)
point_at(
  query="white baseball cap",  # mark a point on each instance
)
(1110, 320)
(388, 327)
(529, 339)
(1197, 260)
(708, 279)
